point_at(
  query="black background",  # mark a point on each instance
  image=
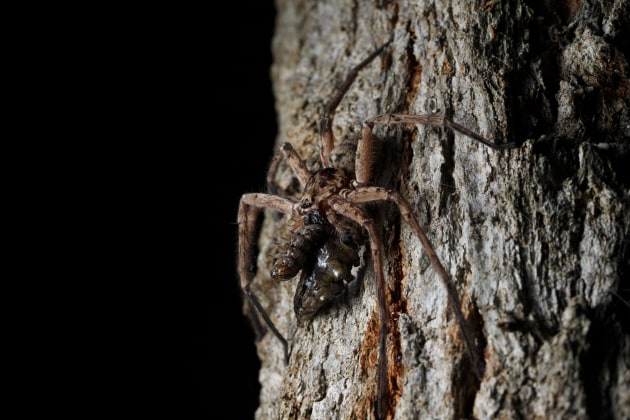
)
(247, 135)
(232, 144)
(173, 115)
(190, 127)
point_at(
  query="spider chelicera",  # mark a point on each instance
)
(328, 226)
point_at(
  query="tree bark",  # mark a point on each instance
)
(536, 238)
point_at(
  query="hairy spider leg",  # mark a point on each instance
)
(326, 136)
(248, 209)
(347, 209)
(436, 120)
(363, 194)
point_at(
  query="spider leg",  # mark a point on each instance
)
(370, 194)
(296, 163)
(363, 162)
(248, 211)
(364, 194)
(356, 214)
(435, 120)
(326, 137)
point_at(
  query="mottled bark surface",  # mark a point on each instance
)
(536, 238)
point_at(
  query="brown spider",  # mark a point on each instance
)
(328, 223)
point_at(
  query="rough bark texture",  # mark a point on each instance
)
(536, 238)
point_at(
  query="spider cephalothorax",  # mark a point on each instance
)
(328, 226)
(324, 184)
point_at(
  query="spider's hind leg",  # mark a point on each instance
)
(326, 137)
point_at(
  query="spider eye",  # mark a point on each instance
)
(305, 204)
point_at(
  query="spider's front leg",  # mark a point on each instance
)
(347, 209)
(248, 211)
(326, 137)
(364, 195)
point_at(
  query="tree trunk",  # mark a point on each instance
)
(536, 238)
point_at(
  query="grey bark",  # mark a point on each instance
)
(537, 239)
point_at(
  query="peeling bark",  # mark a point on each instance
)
(536, 238)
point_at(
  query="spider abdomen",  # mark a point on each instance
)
(327, 279)
(296, 251)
